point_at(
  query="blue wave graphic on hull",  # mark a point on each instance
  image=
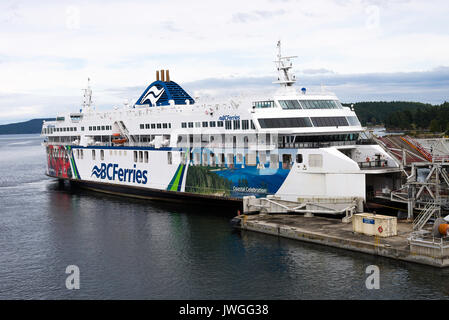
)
(96, 171)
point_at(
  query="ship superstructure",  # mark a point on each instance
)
(167, 144)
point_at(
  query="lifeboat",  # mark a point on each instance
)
(118, 139)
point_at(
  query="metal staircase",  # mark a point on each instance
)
(429, 210)
(125, 131)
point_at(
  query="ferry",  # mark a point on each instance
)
(169, 145)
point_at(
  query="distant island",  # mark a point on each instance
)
(26, 127)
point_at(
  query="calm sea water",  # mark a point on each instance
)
(131, 249)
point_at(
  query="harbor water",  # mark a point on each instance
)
(134, 249)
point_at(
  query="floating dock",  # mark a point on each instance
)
(332, 232)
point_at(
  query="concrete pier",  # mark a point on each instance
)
(334, 233)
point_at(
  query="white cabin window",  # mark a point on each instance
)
(251, 159)
(102, 154)
(274, 161)
(239, 158)
(197, 158)
(135, 156)
(315, 160)
(169, 158)
(93, 154)
(230, 158)
(183, 158)
(262, 157)
(140, 156)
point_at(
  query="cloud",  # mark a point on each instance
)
(361, 49)
(244, 17)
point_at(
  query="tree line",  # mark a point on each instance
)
(404, 115)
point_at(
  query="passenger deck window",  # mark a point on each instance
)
(146, 157)
(169, 158)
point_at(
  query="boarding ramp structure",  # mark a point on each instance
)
(304, 205)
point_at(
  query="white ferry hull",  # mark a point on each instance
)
(125, 170)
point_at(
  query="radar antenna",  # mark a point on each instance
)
(283, 66)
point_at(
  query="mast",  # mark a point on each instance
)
(87, 102)
(283, 65)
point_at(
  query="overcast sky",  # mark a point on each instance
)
(361, 50)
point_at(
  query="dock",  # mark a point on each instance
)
(332, 232)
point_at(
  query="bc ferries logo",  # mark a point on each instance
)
(153, 94)
(112, 172)
(228, 117)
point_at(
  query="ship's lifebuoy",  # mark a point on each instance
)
(380, 229)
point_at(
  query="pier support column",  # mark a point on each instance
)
(411, 202)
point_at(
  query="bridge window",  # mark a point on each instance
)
(190, 124)
(245, 124)
(320, 104)
(212, 124)
(228, 124)
(205, 124)
(183, 124)
(164, 125)
(263, 104)
(353, 121)
(236, 124)
(289, 104)
(219, 123)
